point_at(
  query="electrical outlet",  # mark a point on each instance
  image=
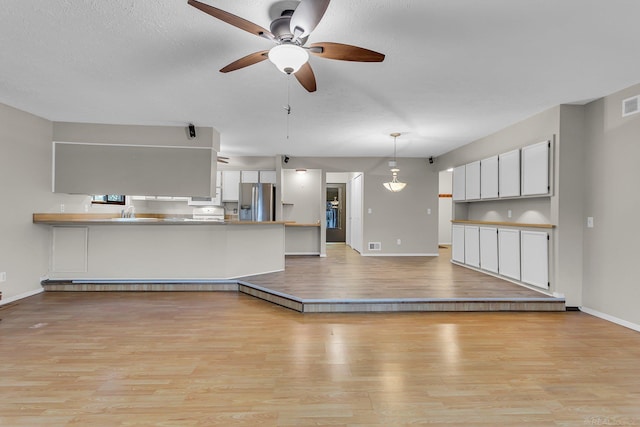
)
(428, 211)
(61, 208)
(589, 222)
(3, 276)
(399, 242)
(369, 210)
(509, 213)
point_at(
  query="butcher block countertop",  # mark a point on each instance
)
(140, 219)
(506, 224)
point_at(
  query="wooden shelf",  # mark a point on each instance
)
(506, 224)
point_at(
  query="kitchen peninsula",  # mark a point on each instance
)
(156, 247)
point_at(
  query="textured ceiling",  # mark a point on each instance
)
(455, 70)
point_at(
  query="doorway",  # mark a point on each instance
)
(336, 217)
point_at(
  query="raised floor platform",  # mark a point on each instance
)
(348, 282)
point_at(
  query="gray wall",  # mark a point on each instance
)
(594, 175)
(145, 160)
(566, 258)
(610, 280)
(25, 188)
(393, 216)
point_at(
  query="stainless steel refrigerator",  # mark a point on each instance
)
(257, 202)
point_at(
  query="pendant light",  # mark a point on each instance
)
(394, 185)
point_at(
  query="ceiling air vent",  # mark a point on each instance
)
(630, 106)
(375, 246)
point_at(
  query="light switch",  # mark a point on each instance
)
(589, 222)
(369, 210)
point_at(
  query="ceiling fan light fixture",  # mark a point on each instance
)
(288, 57)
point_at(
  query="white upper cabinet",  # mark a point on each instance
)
(230, 186)
(459, 183)
(472, 181)
(251, 177)
(535, 169)
(509, 174)
(268, 177)
(489, 178)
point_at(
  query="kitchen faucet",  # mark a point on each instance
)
(128, 212)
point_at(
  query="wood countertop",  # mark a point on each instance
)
(140, 219)
(502, 223)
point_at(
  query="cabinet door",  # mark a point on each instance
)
(509, 253)
(489, 249)
(472, 245)
(509, 174)
(535, 258)
(472, 181)
(458, 183)
(489, 178)
(268, 177)
(535, 169)
(457, 243)
(230, 186)
(249, 177)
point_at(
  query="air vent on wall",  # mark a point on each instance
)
(630, 106)
(375, 246)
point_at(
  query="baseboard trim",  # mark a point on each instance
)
(385, 254)
(610, 318)
(21, 296)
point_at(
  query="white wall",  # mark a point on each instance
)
(612, 175)
(303, 194)
(25, 188)
(445, 207)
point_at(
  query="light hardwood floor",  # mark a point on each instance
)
(344, 274)
(227, 359)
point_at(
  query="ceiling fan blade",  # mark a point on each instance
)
(250, 59)
(307, 16)
(306, 77)
(345, 52)
(232, 19)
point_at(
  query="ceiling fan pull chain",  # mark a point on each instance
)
(288, 107)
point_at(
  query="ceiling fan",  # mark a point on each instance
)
(290, 32)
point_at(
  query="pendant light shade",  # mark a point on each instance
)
(394, 185)
(288, 57)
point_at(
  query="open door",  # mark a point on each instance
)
(336, 217)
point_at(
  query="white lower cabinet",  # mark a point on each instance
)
(472, 245)
(534, 246)
(457, 243)
(489, 249)
(517, 254)
(509, 253)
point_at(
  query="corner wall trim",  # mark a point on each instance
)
(610, 318)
